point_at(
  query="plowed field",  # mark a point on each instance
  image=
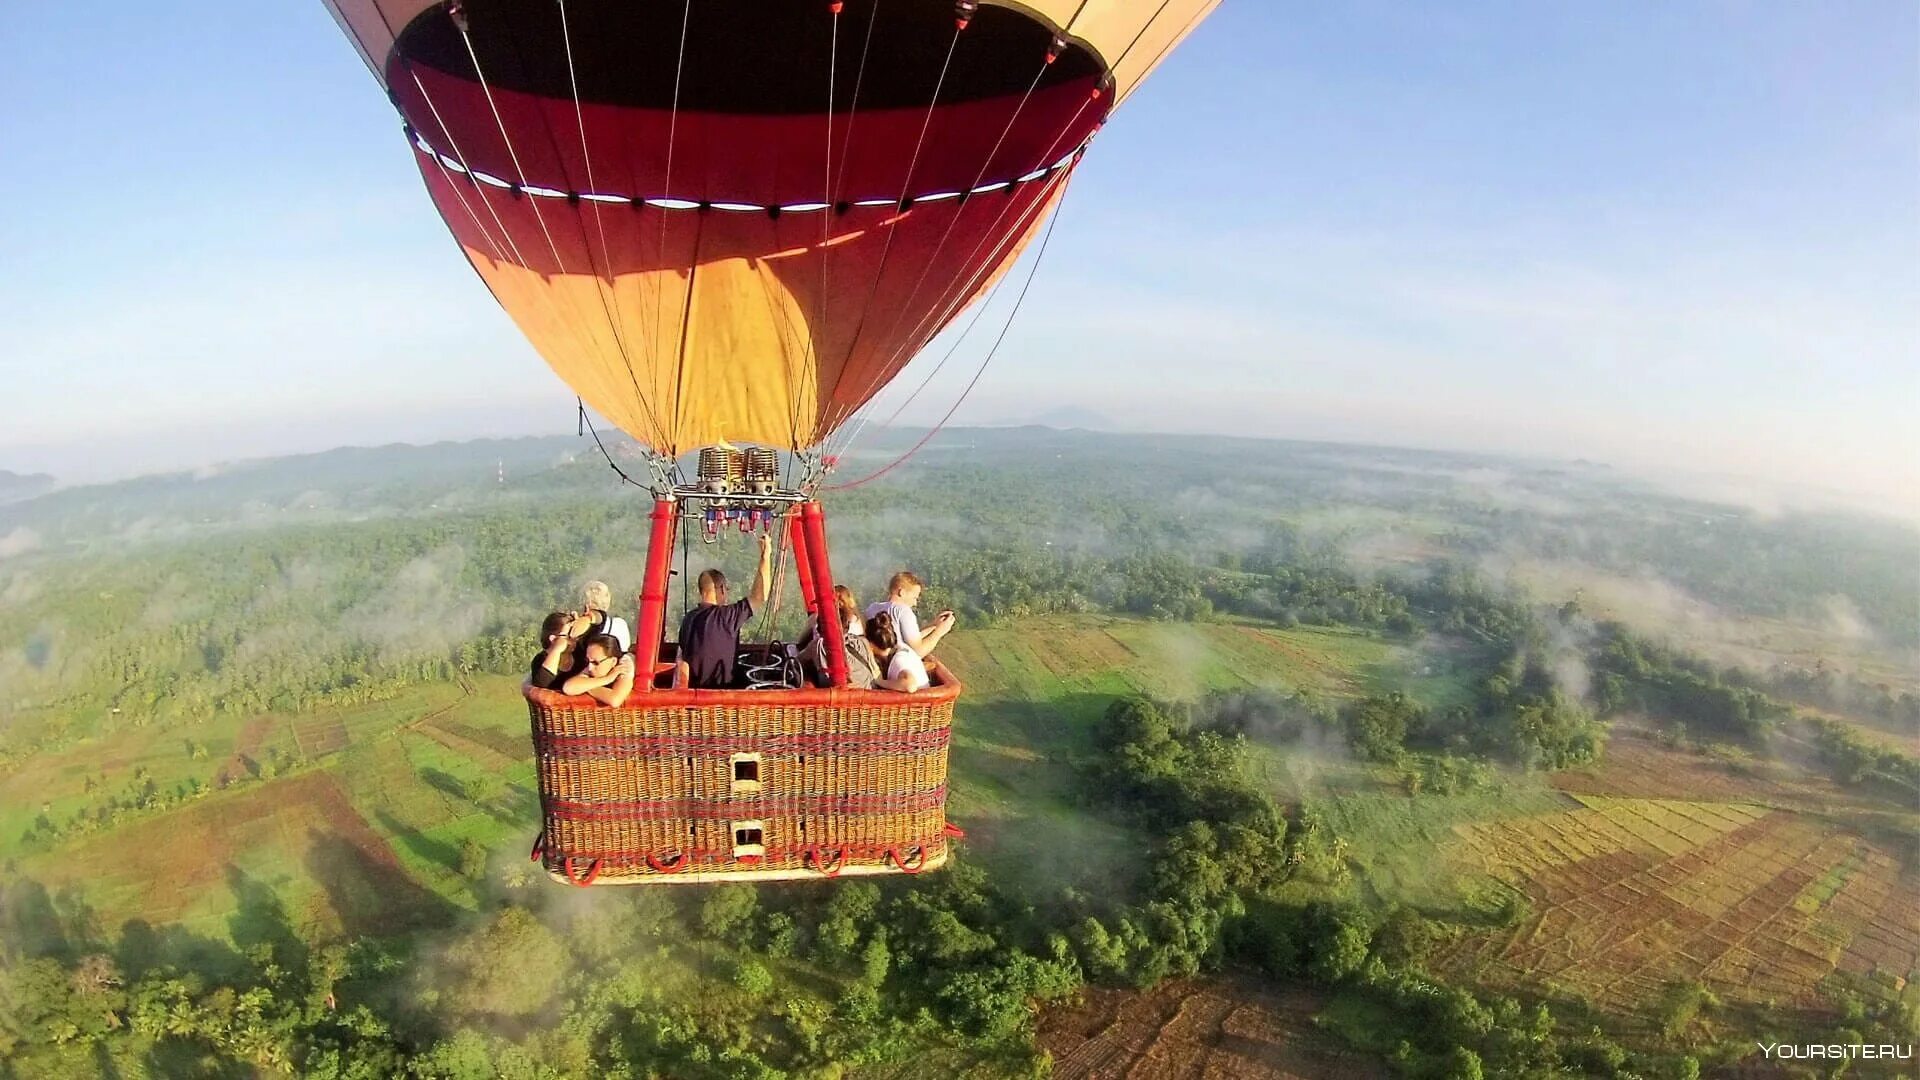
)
(1221, 1029)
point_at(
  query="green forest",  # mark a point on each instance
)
(1320, 653)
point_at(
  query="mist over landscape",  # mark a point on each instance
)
(1425, 500)
(1488, 726)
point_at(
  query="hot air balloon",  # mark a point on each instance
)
(727, 224)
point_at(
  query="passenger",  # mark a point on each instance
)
(599, 600)
(906, 671)
(710, 633)
(607, 676)
(903, 591)
(862, 668)
(558, 657)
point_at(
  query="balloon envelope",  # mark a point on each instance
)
(739, 225)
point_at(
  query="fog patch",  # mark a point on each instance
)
(1175, 655)
(872, 547)
(1313, 747)
(1658, 608)
(14, 672)
(19, 590)
(421, 611)
(1843, 619)
(175, 602)
(1369, 554)
(1570, 641)
(18, 542)
(150, 527)
(269, 640)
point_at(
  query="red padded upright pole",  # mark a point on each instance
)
(815, 524)
(802, 562)
(653, 593)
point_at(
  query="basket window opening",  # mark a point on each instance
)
(749, 840)
(746, 769)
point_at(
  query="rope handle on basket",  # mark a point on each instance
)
(838, 864)
(662, 866)
(951, 830)
(539, 847)
(593, 871)
(900, 861)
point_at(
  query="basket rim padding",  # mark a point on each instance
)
(945, 688)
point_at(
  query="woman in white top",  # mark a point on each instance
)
(905, 670)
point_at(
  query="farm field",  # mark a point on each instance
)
(1391, 839)
(1627, 893)
(360, 839)
(1227, 1028)
(1032, 692)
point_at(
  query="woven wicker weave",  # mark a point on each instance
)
(670, 787)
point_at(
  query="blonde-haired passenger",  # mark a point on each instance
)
(903, 591)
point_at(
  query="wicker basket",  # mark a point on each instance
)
(743, 785)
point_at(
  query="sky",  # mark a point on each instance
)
(1665, 236)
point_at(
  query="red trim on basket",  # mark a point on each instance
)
(725, 808)
(593, 871)
(954, 831)
(539, 847)
(658, 866)
(945, 689)
(679, 745)
(820, 864)
(680, 859)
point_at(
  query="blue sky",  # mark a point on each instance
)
(1660, 235)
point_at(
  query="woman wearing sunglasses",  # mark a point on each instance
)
(607, 676)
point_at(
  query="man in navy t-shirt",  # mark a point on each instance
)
(710, 633)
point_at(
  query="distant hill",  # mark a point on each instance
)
(15, 486)
(352, 482)
(1065, 418)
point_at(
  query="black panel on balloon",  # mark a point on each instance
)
(743, 56)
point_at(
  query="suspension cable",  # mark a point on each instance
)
(826, 230)
(599, 221)
(939, 314)
(906, 185)
(520, 173)
(506, 234)
(862, 414)
(666, 191)
(959, 211)
(1004, 242)
(1032, 270)
(591, 430)
(512, 154)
